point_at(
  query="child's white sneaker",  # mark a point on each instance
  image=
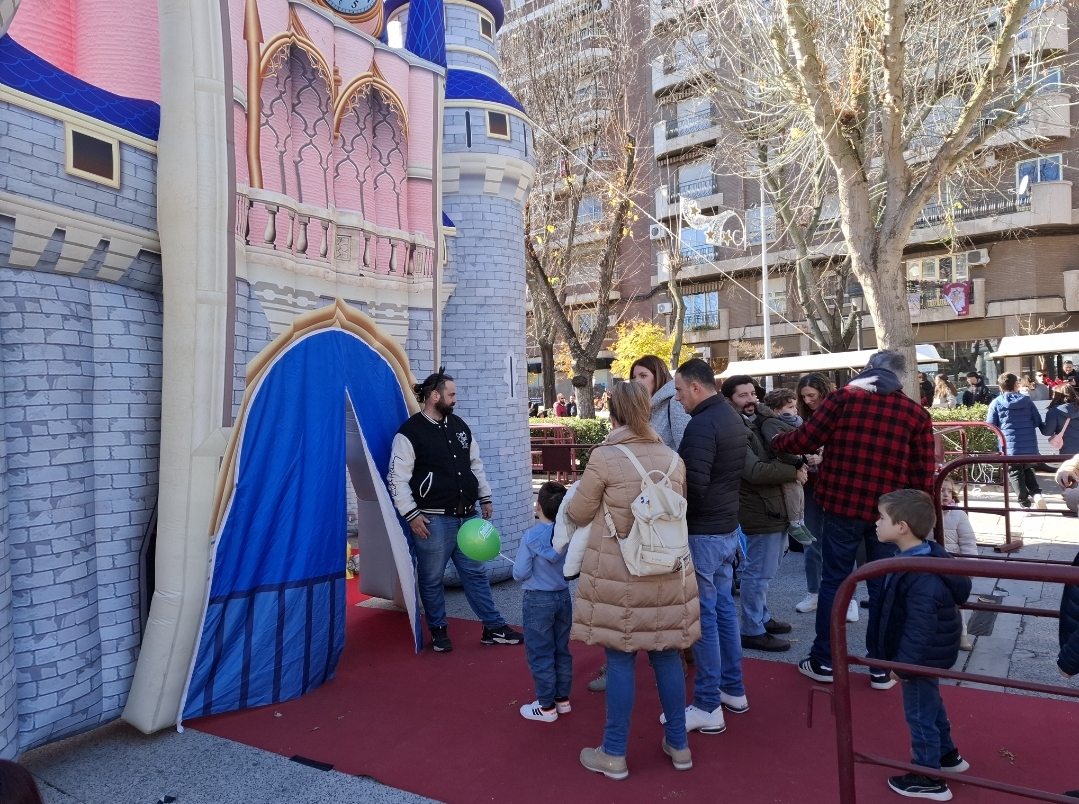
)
(534, 711)
(562, 707)
(808, 604)
(852, 611)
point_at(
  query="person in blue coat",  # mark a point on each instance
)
(1018, 418)
(918, 622)
(1059, 418)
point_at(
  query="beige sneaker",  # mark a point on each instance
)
(682, 760)
(612, 767)
(964, 643)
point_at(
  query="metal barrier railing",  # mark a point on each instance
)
(1011, 542)
(1003, 568)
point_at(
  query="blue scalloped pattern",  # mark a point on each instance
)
(470, 85)
(22, 70)
(494, 6)
(426, 33)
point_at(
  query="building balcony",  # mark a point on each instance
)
(703, 191)
(1047, 32)
(674, 136)
(718, 329)
(1046, 116)
(934, 307)
(668, 72)
(1047, 203)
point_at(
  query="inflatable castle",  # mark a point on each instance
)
(232, 234)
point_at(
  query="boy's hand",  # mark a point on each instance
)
(803, 475)
(894, 677)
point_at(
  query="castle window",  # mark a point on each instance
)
(92, 157)
(498, 125)
(468, 130)
(487, 27)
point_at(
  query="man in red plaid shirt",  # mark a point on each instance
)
(876, 439)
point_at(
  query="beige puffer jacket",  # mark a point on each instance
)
(615, 609)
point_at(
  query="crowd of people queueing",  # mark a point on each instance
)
(811, 459)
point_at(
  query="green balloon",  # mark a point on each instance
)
(479, 539)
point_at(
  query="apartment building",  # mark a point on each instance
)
(1015, 245)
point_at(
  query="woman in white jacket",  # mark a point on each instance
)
(959, 539)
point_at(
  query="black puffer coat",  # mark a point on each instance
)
(714, 451)
(1068, 660)
(919, 622)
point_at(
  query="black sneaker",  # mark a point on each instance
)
(503, 635)
(775, 626)
(880, 679)
(815, 670)
(440, 640)
(766, 642)
(1072, 793)
(915, 785)
(953, 763)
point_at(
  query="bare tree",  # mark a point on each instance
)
(571, 66)
(903, 99)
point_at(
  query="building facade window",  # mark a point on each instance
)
(943, 269)
(586, 322)
(753, 224)
(92, 157)
(777, 295)
(1042, 168)
(693, 246)
(701, 310)
(498, 125)
(589, 210)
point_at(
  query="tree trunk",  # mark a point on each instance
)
(679, 314)
(885, 291)
(585, 407)
(548, 373)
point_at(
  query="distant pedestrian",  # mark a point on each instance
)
(976, 392)
(1019, 420)
(1069, 375)
(1040, 390)
(571, 406)
(876, 439)
(944, 393)
(560, 406)
(925, 387)
(918, 622)
(1060, 419)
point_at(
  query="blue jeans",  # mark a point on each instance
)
(930, 731)
(815, 523)
(839, 548)
(718, 653)
(432, 555)
(667, 665)
(763, 553)
(547, 619)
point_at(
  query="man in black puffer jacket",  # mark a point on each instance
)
(919, 623)
(714, 451)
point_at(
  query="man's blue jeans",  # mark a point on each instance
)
(667, 665)
(930, 731)
(763, 554)
(547, 619)
(718, 653)
(839, 548)
(432, 555)
(815, 523)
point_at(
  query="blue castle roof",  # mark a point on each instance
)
(426, 34)
(472, 85)
(22, 70)
(493, 6)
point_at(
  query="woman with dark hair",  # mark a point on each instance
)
(17, 785)
(812, 389)
(667, 416)
(1058, 418)
(1019, 420)
(625, 613)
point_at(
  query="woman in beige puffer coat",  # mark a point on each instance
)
(625, 613)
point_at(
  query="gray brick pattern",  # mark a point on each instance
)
(420, 346)
(81, 362)
(252, 335)
(453, 135)
(462, 28)
(9, 724)
(32, 153)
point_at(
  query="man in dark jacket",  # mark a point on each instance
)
(918, 622)
(436, 479)
(714, 451)
(876, 439)
(976, 392)
(763, 516)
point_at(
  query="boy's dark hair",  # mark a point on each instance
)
(732, 383)
(550, 498)
(17, 785)
(913, 507)
(696, 370)
(779, 398)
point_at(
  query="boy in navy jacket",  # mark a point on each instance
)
(919, 623)
(1068, 659)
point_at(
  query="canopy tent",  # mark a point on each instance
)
(273, 626)
(1045, 344)
(826, 361)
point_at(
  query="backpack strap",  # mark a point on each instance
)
(644, 473)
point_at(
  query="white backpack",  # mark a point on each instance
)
(658, 543)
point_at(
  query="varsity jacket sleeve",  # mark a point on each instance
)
(815, 432)
(402, 462)
(477, 470)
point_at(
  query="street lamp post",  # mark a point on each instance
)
(857, 301)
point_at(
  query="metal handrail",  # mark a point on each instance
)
(1046, 572)
(1004, 461)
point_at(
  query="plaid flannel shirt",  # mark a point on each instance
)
(873, 444)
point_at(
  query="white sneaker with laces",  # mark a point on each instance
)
(808, 604)
(738, 704)
(699, 720)
(534, 711)
(562, 707)
(852, 611)
(1039, 502)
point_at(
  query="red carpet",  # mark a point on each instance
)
(447, 726)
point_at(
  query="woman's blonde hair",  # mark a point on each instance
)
(631, 405)
(943, 387)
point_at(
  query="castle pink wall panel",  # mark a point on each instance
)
(239, 122)
(352, 163)
(46, 28)
(352, 55)
(118, 47)
(421, 128)
(389, 157)
(312, 131)
(320, 30)
(276, 132)
(239, 46)
(420, 200)
(273, 14)
(395, 69)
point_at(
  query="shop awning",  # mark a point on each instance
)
(1045, 344)
(827, 361)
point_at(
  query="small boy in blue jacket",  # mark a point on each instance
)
(546, 611)
(919, 623)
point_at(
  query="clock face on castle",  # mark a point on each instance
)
(351, 8)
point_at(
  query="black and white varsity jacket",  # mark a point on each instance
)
(435, 468)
